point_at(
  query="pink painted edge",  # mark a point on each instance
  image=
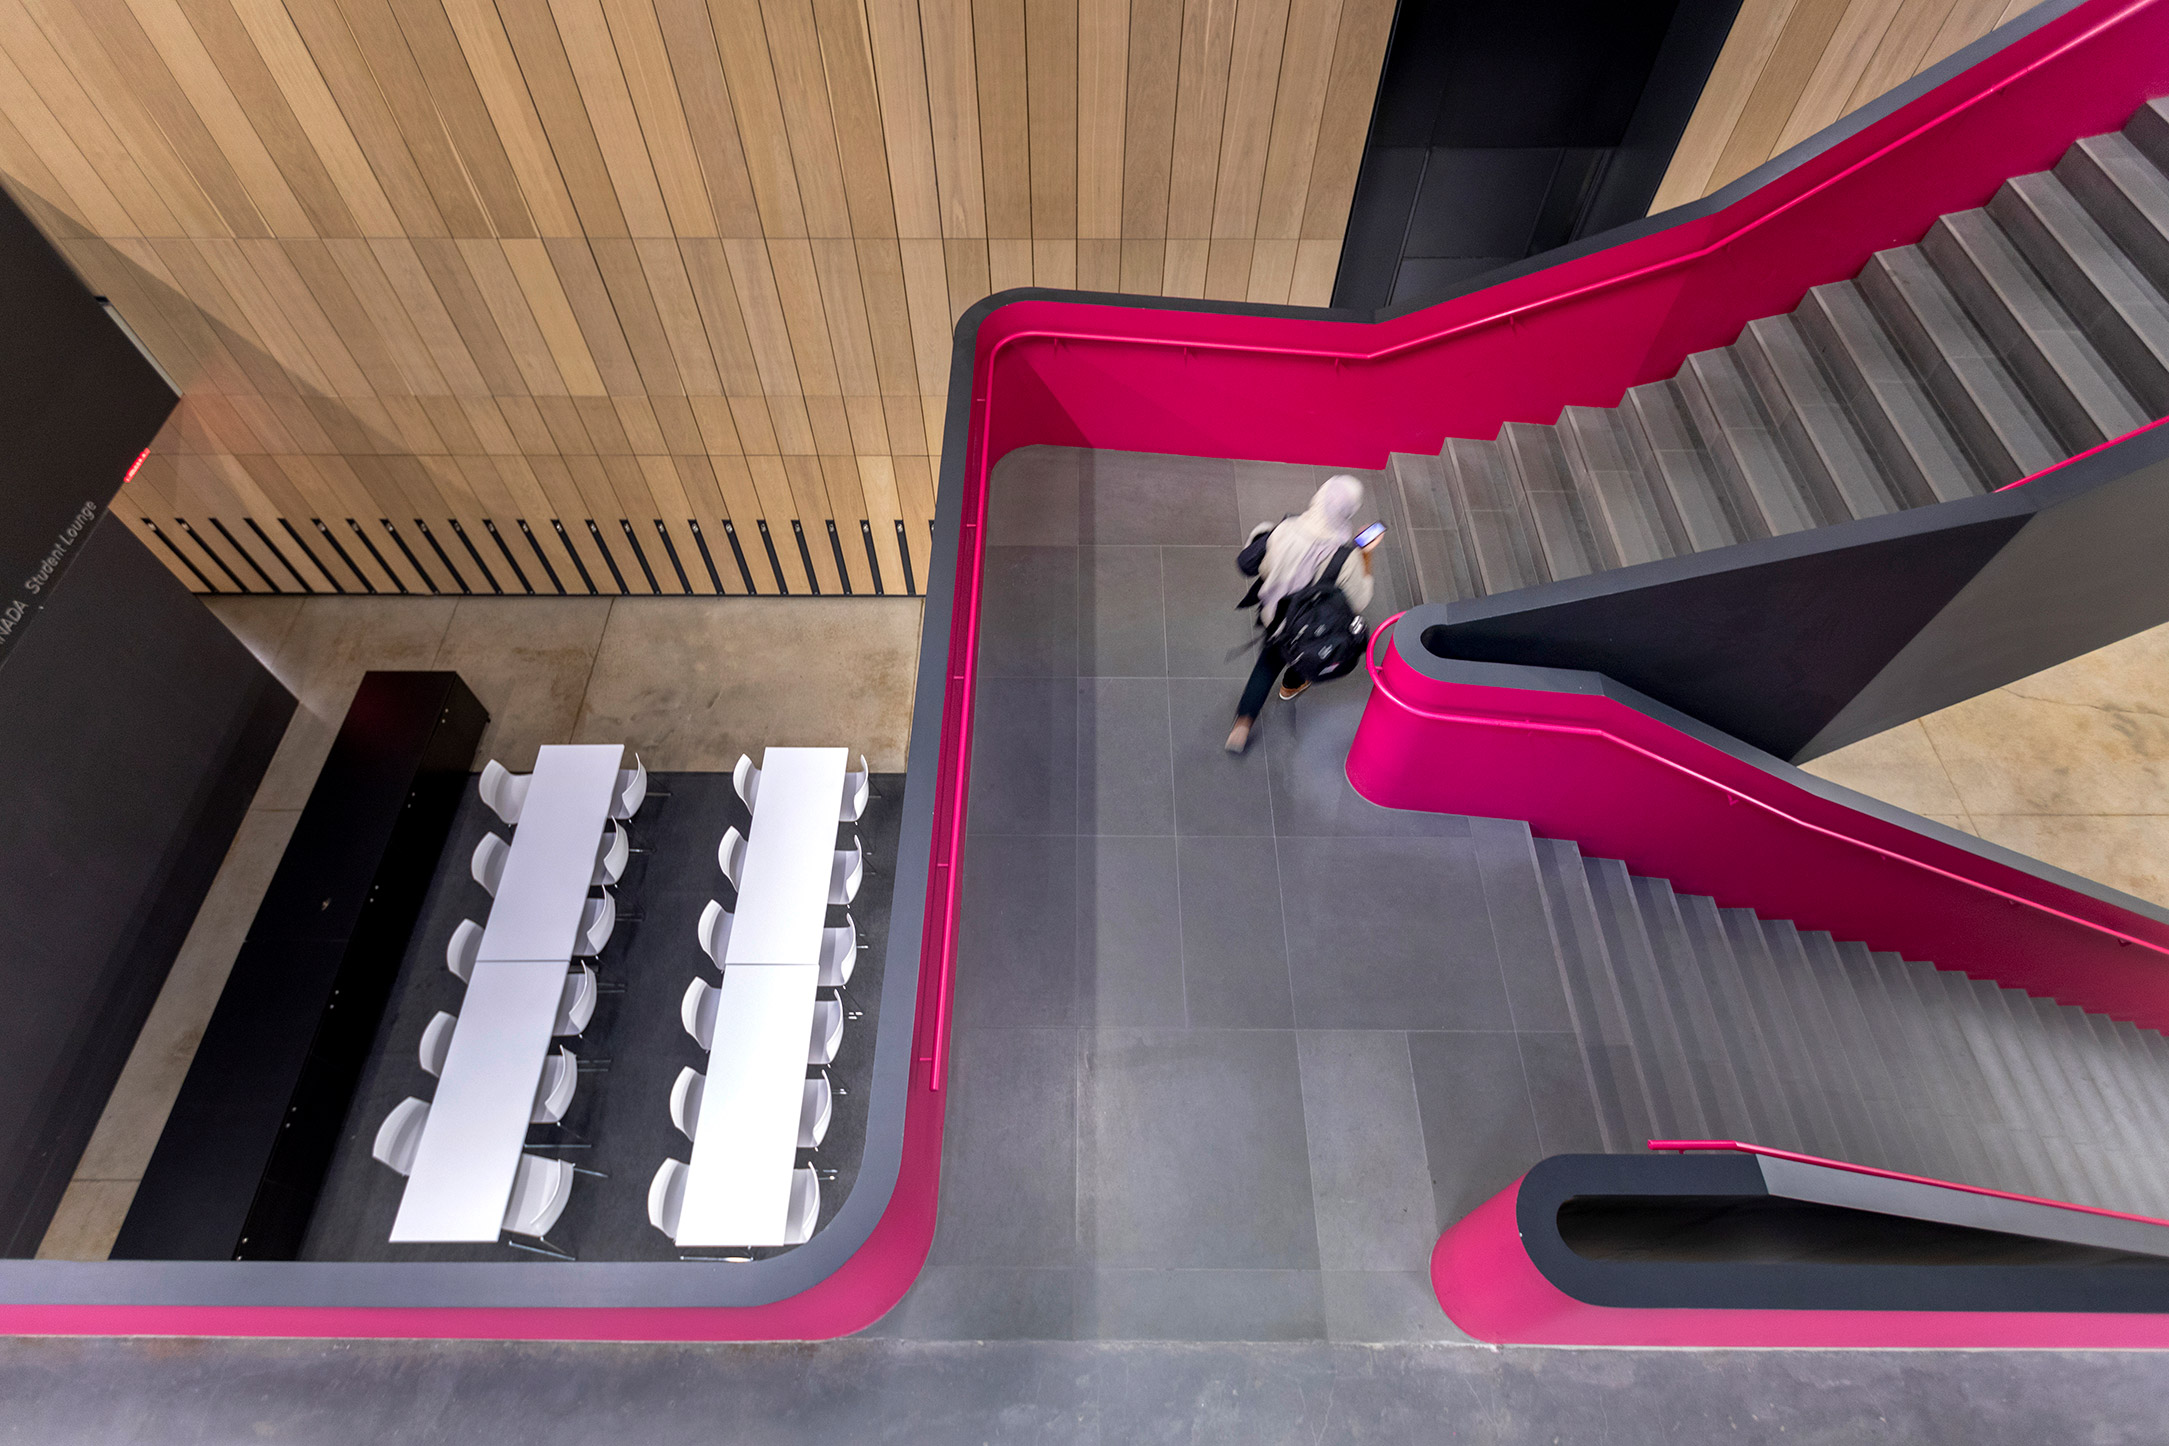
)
(1745, 1148)
(1488, 1286)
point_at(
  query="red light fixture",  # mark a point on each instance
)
(134, 467)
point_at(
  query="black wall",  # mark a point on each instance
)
(133, 728)
(1505, 128)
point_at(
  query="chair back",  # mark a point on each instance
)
(666, 1196)
(553, 1095)
(839, 954)
(805, 1206)
(503, 790)
(746, 779)
(827, 1031)
(437, 1042)
(731, 854)
(857, 787)
(461, 949)
(697, 1011)
(401, 1134)
(576, 1006)
(715, 932)
(611, 855)
(632, 790)
(489, 862)
(685, 1101)
(843, 879)
(814, 1112)
(541, 1188)
(598, 920)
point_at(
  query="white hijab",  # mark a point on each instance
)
(1301, 546)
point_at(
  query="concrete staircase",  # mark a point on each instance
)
(2008, 339)
(1700, 1022)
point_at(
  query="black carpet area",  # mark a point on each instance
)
(622, 1113)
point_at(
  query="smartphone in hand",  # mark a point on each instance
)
(1370, 534)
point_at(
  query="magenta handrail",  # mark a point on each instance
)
(1381, 682)
(1744, 1148)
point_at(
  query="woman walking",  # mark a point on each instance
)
(1297, 551)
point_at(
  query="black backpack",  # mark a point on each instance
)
(1319, 635)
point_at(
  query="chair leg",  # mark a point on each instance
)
(553, 1252)
(581, 1170)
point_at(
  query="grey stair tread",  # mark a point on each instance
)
(1923, 1136)
(1829, 1054)
(2142, 1093)
(1874, 1088)
(2084, 1113)
(2148, 129)
(1658, 1036)
(1442, 567)
(1973, 1051)
(1990, 411)
(1981, 1150)
(1489, 514)
(1756, 467)
(1834, 460)
(1920, 452)
(1769, 1118)
(1805, 1099)
(1625, 1116)
(2115, 306)
(2068, 379)
(2042, 1107)
(1569, 543)
(2111, 1122)
(1630, 511)
(2128, 197)
(1717, 1086)
(1671, 453)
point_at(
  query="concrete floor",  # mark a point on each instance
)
(690, 683)
(2070, 766)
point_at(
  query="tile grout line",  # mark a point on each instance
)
(1182, 951)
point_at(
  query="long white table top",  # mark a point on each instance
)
(536, 914)
(783, 888)
(738, 1191)
(462, 1174)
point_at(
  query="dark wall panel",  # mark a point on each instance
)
(133, 730)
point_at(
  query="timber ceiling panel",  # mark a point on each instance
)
(633, 295)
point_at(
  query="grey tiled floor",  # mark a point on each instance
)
(1232, 1043)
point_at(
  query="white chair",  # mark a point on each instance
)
(813, 1115)
(746, 779)
(489, 862)
(666, 1196)
(827, 1031)
(857, 787)
(437, 1042)
(598, 918)
(731, 855)
(697, 1011)
(632, 790)
(553, 1095)
(685, 1101)
(611, 856)
(805, 1207)
(839, 954)
(504, 791)
(843, 879)
(401, 1134)
(715, 932)
(576, 1006)
(541, 1188)
(460, 951)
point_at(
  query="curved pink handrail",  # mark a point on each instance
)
(1744, 1148)
(1381, 682)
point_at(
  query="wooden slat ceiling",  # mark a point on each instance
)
(612, 294)
(1791, 67)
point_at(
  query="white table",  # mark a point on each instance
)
(462, 1174)
(738, 1191)
(790, 854)
(536, 914)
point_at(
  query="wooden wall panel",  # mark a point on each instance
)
(530, 296)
